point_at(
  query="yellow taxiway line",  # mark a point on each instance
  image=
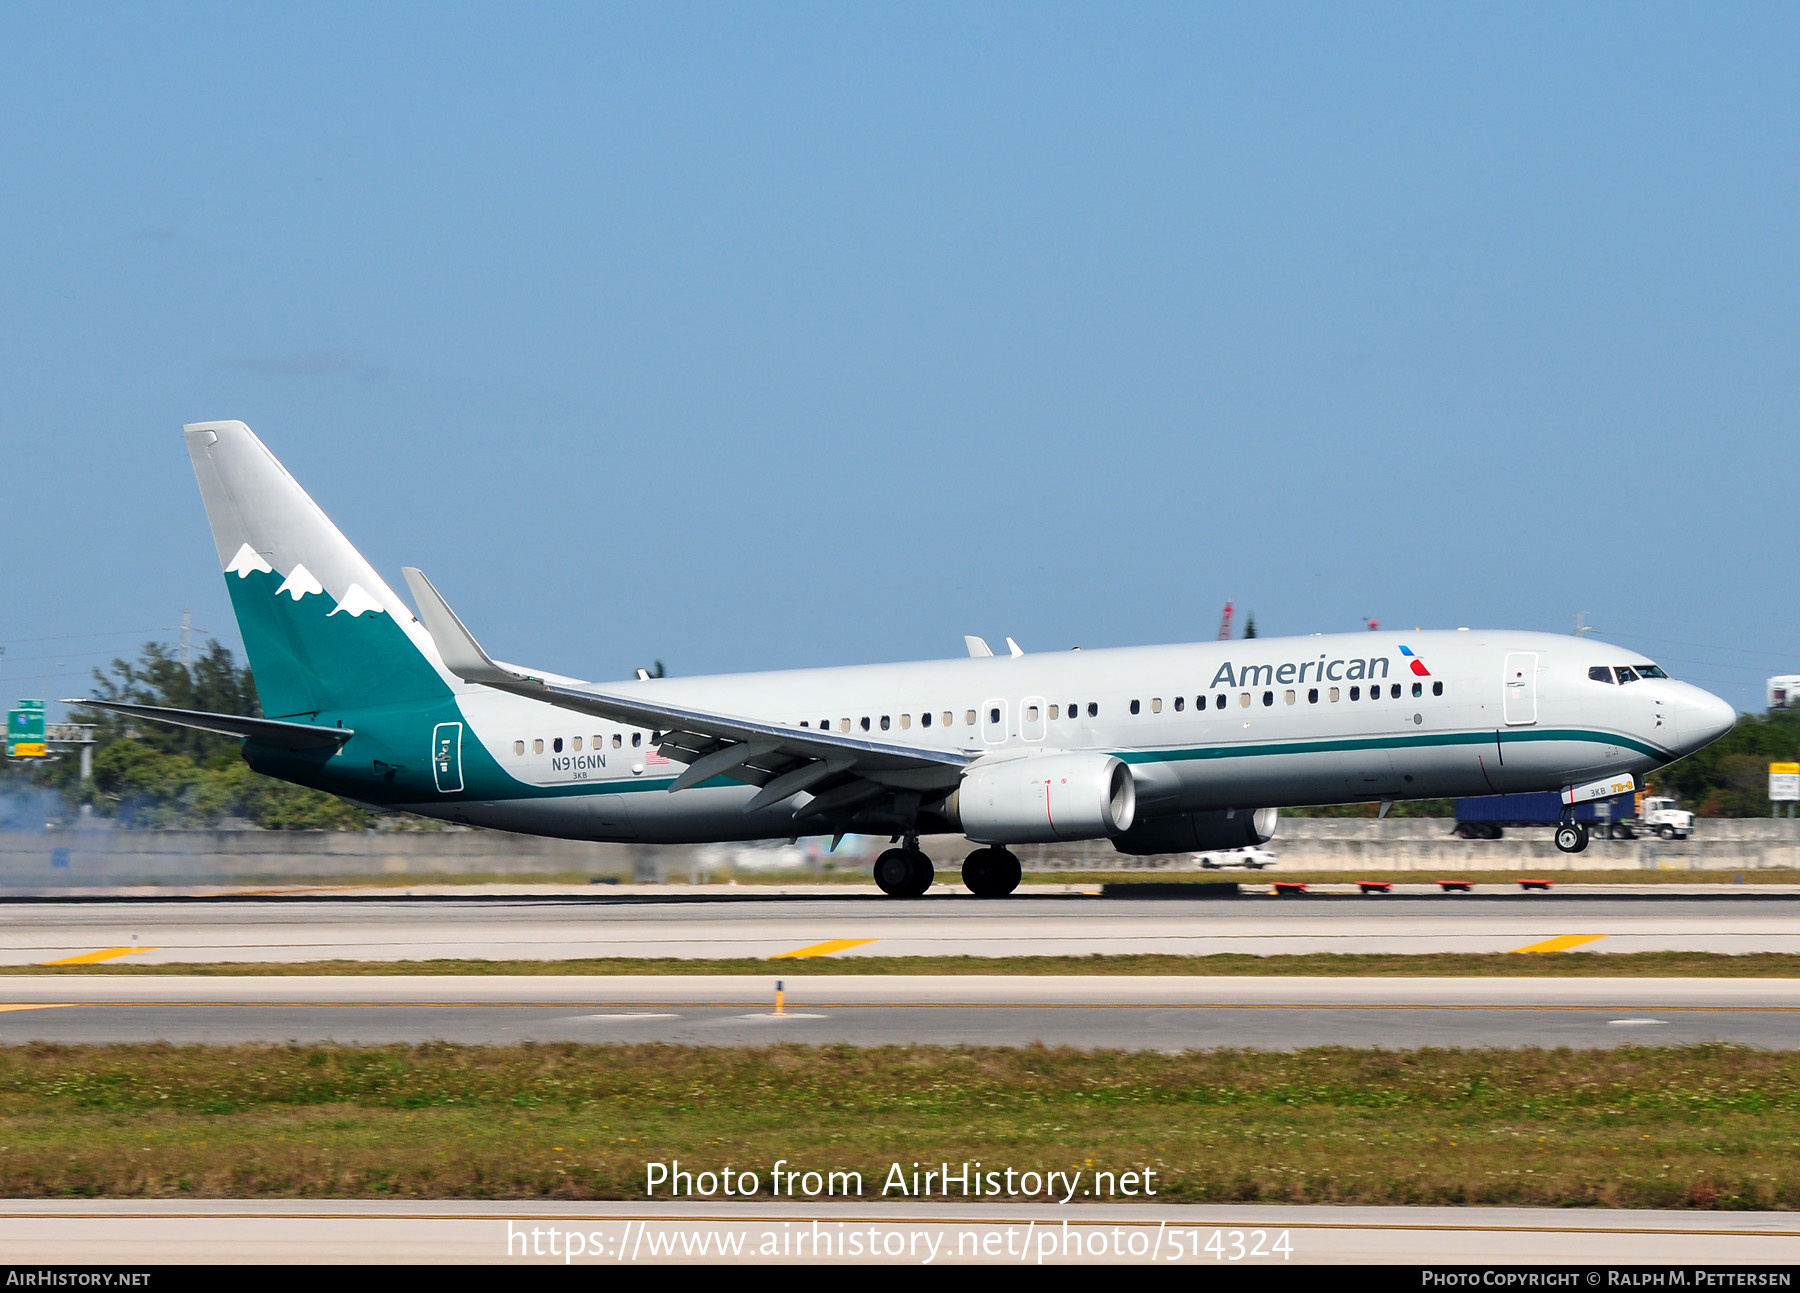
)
(821, 949)
(1562, 943)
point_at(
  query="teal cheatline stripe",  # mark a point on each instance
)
(1405, 742)
(1577, 734)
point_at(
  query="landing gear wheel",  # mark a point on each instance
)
(991, 872)
(904, 873)
(1571, 837)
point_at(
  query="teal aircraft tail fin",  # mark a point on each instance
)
(323, 631)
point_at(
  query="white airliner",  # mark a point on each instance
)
(1157, 749)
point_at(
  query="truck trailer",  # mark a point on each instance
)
(1622, 817)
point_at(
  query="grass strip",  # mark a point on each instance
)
(1510, 965)
(1697, 1127)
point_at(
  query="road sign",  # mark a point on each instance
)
(1784, 781)
(25, 730)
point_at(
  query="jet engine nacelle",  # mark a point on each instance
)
(1198, 832)
(1046, 798)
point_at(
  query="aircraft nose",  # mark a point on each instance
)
(1704, 718)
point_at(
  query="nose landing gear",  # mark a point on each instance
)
(1571, 837)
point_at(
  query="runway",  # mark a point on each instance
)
(378, 927)
(1089, 1012)
(308, 1232)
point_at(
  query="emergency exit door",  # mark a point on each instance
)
(446, 757)
(1520, 683)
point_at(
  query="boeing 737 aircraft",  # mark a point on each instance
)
(1157, 749)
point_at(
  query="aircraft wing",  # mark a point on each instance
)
(842, 771)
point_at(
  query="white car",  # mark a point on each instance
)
(1251, 859)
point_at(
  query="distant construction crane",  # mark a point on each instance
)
(1225, 624)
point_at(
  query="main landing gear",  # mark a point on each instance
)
(991, 872)
(904, 872)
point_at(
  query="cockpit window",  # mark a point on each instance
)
(1650, 671)
(1600, 673)
(1627, 673)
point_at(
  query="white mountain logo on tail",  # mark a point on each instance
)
(356, 601)
(299, 583)
(248, 559)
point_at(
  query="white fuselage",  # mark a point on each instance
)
(1266, 722)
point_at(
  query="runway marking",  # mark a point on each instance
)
(1562, 943)
(632, 1015)
(104, 954)
(786, 1014)
(1634, 1023)
(48, 1005)
(822, 949)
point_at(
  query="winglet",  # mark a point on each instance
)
(977, 647)
(1014, 648)
(462, 654)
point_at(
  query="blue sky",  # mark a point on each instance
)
(761, 336)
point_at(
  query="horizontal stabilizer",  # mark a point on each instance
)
(294, 736)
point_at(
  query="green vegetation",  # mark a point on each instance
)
(1690, 965)
(1730, 777)
(1697, 1127)
(150, 774)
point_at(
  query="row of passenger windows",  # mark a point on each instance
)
(556, 743)
(947, 718)
(1334, 694)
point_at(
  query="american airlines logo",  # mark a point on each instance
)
(1321, 670)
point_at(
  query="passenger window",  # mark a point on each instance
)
(518, 747)
(556, 745)
(537, 745)
(637, 739)
(1268, 699)
(1334, 695)
(1394, 691)
(576, 745)
(1356, 693)
(1056, 711)
(1418, 689)
(1437, 689)
(1156, 704)
(617, 740)
(843, 725)
(804, 723)
(905, 722)
(1312, 696)
(969, 718)
(1244, 700)
(1180, 703)
(1600, 673)
(925, 719)
(1031, 713)
(993, 715)
(1093, 709)
(1290, 696)
(865, 722)
(886, 723)
(1220, 703)
(949, 719)
(1134, 707)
